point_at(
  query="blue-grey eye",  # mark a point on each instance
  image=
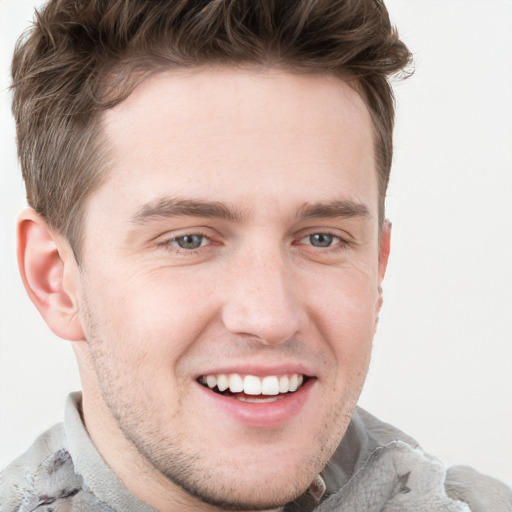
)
(189, 241)
(321, 240)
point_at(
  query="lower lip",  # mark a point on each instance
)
(261, 415)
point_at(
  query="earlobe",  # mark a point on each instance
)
(49, 273)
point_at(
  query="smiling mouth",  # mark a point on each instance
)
(249, 388)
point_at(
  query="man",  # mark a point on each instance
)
(207, 186)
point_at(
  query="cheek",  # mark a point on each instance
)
(345, 312)
(147, 316)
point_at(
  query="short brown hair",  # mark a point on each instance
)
(81, 57)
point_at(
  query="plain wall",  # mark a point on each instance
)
(442, 365)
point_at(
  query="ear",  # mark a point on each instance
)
(384, 248)
(50, 274)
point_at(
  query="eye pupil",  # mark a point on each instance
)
(321, 240)
(189, 241)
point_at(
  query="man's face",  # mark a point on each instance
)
(235, 239)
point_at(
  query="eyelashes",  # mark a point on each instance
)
(194, 243)
(323, 240)
(189, 242)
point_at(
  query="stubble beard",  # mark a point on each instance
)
(190, 470)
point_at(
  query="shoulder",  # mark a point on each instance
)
(14, 479)
(376, 459)
(480, 492)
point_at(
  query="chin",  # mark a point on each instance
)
(250, 494)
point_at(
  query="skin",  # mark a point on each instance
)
(147, 317)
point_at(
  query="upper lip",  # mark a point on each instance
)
(259, 370)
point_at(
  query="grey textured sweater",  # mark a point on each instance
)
(375, 468)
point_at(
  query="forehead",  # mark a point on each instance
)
(227, 131)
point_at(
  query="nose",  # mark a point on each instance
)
(263, 300)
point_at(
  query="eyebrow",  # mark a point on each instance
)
(333, 209)
(173, 207)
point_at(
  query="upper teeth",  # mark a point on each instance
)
(252, 385)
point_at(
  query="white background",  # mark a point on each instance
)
(442, 366)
